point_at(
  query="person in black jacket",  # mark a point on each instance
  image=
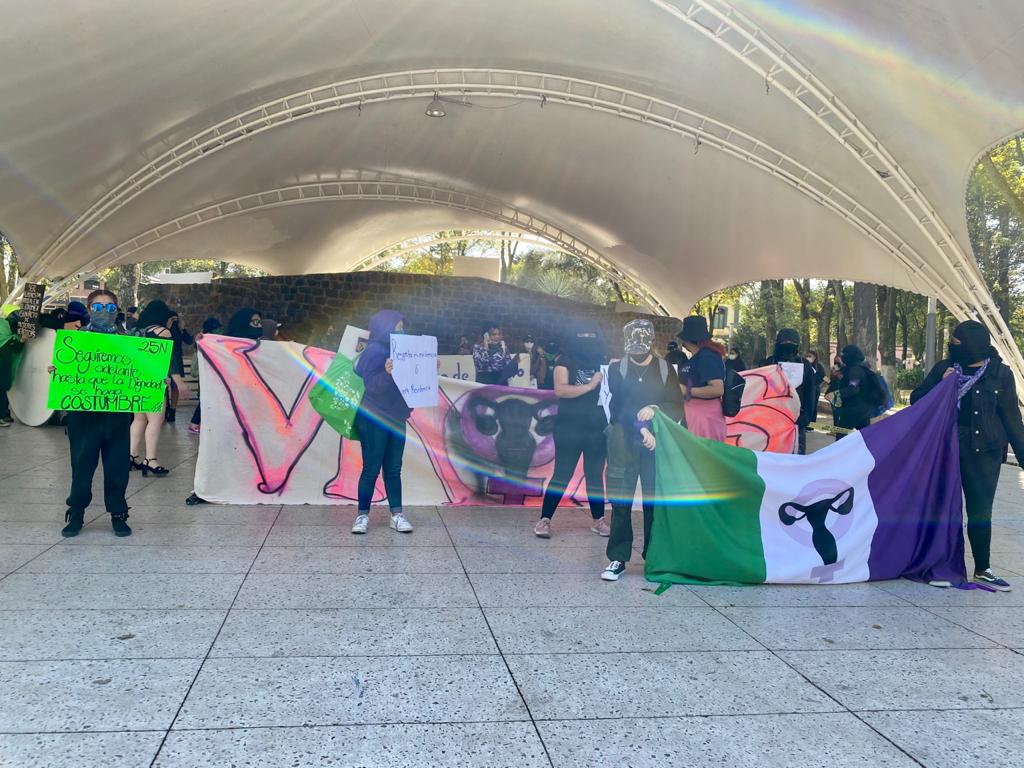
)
(637, 384)
(853, 387)
(988, 419)
(734, 360)
(787, 350)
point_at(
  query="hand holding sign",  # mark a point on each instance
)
(414, 369)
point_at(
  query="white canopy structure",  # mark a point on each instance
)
(682, 145)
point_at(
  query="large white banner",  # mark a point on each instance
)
(262, 442)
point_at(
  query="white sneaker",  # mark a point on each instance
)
(361, 523)
(615, 569)
(400, 524)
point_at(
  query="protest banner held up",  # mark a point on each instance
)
(109, 373)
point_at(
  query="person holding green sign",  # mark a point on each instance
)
(93, 435)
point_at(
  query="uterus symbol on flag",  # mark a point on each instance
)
(818, 517)
(498, 435)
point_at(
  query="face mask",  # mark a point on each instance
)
(961, 356)
(529, 346)
(732, 355)
(811, 360)
(104, 321)
(639, 358)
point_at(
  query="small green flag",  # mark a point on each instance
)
(336, 396)
(106, 372)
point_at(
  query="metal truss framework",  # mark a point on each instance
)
(702, 129)
(410, 245)
(402, 191)
(743, 39)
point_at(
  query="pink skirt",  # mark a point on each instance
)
(704, 418)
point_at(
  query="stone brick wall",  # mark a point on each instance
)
(316, 308)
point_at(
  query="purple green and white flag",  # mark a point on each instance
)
(881, 503)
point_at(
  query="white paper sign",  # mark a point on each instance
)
(461, 367)
(794, 373)
(353, 341)
(604, 399)
(415, 369)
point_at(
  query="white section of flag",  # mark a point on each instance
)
(789, 552)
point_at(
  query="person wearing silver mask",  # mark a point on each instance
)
(638, 383)
(988, 419)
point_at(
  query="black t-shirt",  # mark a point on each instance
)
(963, 417)
(704, 367)
(579, 375)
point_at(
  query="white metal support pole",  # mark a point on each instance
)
(929, 334)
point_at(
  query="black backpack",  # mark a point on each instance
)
(732, 399)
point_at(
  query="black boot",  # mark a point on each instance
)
(169, 415)
(74, 519)
(117, 522)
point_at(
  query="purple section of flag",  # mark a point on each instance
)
(915, 487)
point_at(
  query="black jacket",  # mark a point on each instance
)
(854, 388)
(996, 420)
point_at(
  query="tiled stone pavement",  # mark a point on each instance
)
(269, 636)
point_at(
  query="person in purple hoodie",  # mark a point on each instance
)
(380, 422)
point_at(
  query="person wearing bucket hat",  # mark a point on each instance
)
(638, 383)
(702, 379)
(988, 419)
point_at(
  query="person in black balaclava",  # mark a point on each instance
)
(246, 323)
(579, 429)
(852, 389)
(787, 350)
(988, 418)
(674, 355)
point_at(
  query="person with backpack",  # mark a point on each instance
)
(988, 420)
(637, 383)
(787, 350)
(702, 380)
(856, 390)
(579, 429)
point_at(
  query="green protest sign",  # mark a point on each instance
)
(336, 396)
(107, 372)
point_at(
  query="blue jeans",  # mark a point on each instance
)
(382, 446)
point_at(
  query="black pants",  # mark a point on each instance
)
(801, 437)
(197, 414)
(979, 474)
(579, 435)
(5, 405)
(95, 435)
(627, 461)
(383, 445)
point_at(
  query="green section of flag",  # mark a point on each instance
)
(337, 395)
(108, 373)
(707, 527)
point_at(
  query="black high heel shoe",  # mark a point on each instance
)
(158, 471)
(134, 463)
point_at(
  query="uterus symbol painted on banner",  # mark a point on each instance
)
(500, 434)
(824, 507)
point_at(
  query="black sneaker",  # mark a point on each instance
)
(992, 581)
(615, 569)
(117, 522)
(74, 519)
(6, 421)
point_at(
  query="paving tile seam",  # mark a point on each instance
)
(501, 654)
(209, 649)
(825, 693)
(931, 611)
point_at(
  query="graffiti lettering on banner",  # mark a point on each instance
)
(108, 373)
(415, 369)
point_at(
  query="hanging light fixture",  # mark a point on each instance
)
(436, 108)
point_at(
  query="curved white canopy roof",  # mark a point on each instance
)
(686, 144)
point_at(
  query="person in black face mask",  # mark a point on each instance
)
(579, 429)
(987, 420)
(852, 387)
(787, 350)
